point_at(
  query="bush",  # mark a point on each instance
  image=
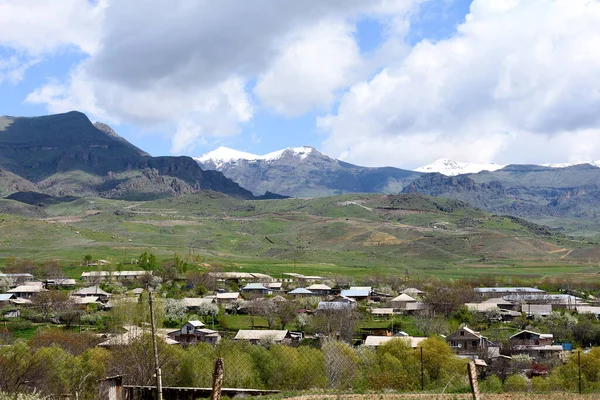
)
(491, 384)
(539, 384)
(515, 383)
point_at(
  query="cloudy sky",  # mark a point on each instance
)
(373, 82)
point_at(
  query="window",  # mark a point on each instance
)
(474, 343)
(462, 333)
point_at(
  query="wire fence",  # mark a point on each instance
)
(66, 364)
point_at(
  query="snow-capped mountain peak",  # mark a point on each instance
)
(224, 155)
(565, 165)
(449, 167)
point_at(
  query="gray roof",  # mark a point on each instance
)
(363, 292)
(28, 289)
(16, 275)
(91, 291)
(275, 335)
(6, 296)
(334, 305)
(254, 286)
(505, 289)
(375, 341)
(300, 291)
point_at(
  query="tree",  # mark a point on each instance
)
(87, 259)
(6, 282)
(447, 297)
(336, 323)
(341, 363)
(175, 310)
(148, 262)
(52, 301)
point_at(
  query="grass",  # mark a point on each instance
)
(352, 235)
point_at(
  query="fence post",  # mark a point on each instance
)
(579, 370)
(217, 380)
(472, 372)
(422, 373)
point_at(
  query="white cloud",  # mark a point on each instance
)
(40, 26)
(311, 65)
(186, 65)
(517, 75)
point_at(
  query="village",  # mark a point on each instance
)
(509, 331)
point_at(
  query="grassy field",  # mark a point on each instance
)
(352, 235)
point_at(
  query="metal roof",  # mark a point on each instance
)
(6, 296)
(300, 291)
(27, 289)
(228, 296)
(254, 286)
(505, 289)
(334, 305)
(403, 298)
(91, 291)
(356, 293)
(275, 335)
(375, 341)
(318, 286)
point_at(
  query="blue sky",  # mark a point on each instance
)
(373, 82)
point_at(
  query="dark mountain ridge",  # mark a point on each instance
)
(66, 155)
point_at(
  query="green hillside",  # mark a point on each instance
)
(347, 234)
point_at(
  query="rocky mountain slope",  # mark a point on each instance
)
(528, 191)
(66, 155)
(303, 172)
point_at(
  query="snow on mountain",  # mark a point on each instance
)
(452, 168)
(565, 165)
(223, 155)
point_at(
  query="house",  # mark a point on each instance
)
(556, 300)
(412, 292)
(319, 289)
(467, 342)
(302, 278)
(300, 292)
(382, 312)
(27, 291)
(96, 276)
(133, 333)
(86, 300)
(501, 303)
(92, 291)
(486, 292)
(258, 336)
(274, 286)
(18, 279)
(228, 297)
(357, 293)
(589, 310)
(195, 302)
(538, 346)
(256, 289)
(376, 341)
(60, 282)
(532, 310)
(193, 332)
(6, 297)
(239, 277)
(401, 301)
(530, 338)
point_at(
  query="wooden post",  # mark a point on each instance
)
(472, 372)
(159, 394)
(217, 380)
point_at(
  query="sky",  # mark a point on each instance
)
(372, 82)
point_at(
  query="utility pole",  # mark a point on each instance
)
(422, 374)
(155, 348)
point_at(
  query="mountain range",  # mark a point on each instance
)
(67, 155)
(303, 172)
(555, 194)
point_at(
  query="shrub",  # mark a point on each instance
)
(515, 383)
(539, 384)
(491, 384)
